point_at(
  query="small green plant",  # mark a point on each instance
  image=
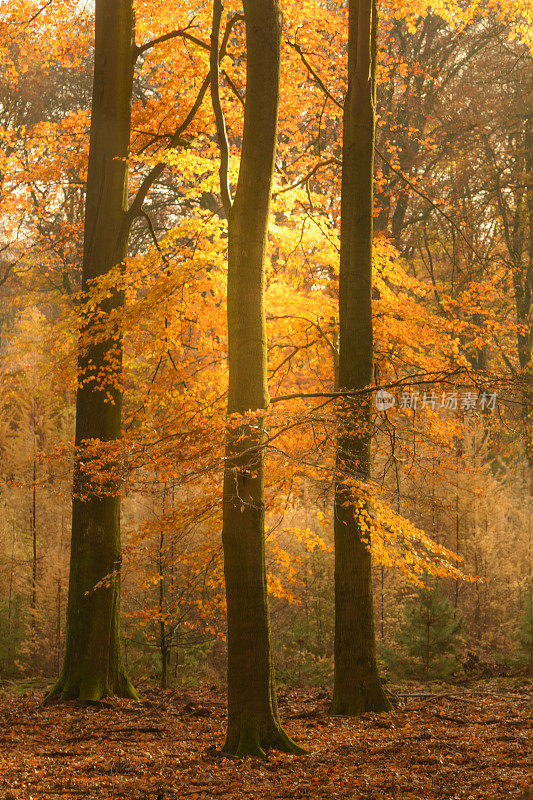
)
(428, 635)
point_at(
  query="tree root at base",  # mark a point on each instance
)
(255, 740)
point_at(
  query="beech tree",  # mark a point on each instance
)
(357, 687)
(253, 721)
(93, 664)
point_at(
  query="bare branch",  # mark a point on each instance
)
(409, 380)
(233, 87)
(38, 13)
(302, 181)
(181, 32)
(222, 136)
(316, 76)
(5, 276)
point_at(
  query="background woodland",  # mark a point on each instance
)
(452, 293)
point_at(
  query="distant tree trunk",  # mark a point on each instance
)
(528, 379)
(33, 607)
(457, 533)
(177, 659)
(357, 686)
(10, 600)
(525, 352)
(58, 625)
(382, 610)
(163, 637)
(253, 721)
(93, 666)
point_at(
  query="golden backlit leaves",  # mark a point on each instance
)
(173, 322)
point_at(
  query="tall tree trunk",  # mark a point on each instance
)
(357, 686)
(253, 721)
(92, 666)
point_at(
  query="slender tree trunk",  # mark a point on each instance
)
(93, 666)
(33, 607)
(528, 379)
(253, 721)
(428, 645)
(10, 601)
(357, 686)
(457, 539)
(525, 351)
(163, 639)
(382, 616)
(58, 625)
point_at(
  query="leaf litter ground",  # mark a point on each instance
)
(463, 743)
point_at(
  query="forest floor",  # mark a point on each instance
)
(442, 742)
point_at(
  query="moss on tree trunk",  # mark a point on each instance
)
(253, 721)
(93, 665)
(357, 686)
